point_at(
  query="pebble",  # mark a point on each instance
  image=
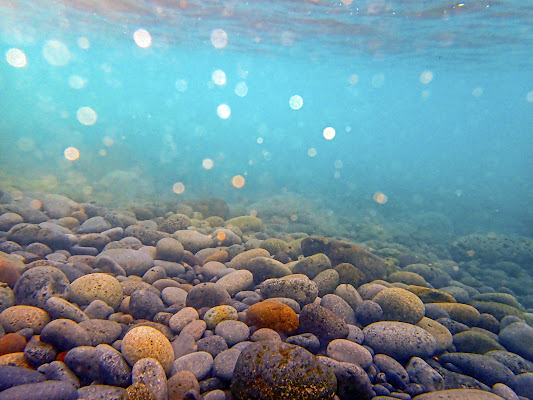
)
(195, 328)
(102, 331)
(472, 341)
(18, 317)
(524, 385)
(14, 376)
(233, 332)
(236, 281)
(462, 313)
(199, 364)
(154, 274)
(400, 305)
(184, 344)
(98, 309)
(421, 372)
(459, 394)
(345, 351)
(352, 380)
(214, 345)
(12, 343)
(61, 308)
(101, 392)
(399, 340)
(169, 249)
(193, 241)
(115, 371)
(442, 335)
(241, 260)
(349, 294)
(297, 287)
(312, 265)
(97, 286)
(339, 307)
(259, 373)
(133, 262)
(265, 334)
(368, 312)
(9, 271)
(504, 391)
(180, 384)
(8, 220)
(149, 372)
(38, 284)
(38, 352)
(59, 371)
(265, 267)
(48, 390)
(224, 364)
(512, 361)
(144, 304)
(182, 318)
(144, 341)
(65, 334)
(326, 281)
(323, 323)
(174, 295)
(518, 338)
(217, 314)
(306, 340)
(483, 368)
(272, 314)
(207, 295)
(386, 363)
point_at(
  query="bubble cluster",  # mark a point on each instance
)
(426, 77)
(72, 153)
(241, 89)
(311, 152)
(238, 181)
(218, 77)
(83, 43)
(380, 198)
(56, 53)
(178, 188)
(477, 92)
(353, 79)
(223, 111)
(219, 38)
(328, 133)
(207, 163)
(529, 97)
(16, 58)
(86, 116)
(296, 102)
(142, 38)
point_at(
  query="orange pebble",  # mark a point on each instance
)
(12, 343)
(273, 315)
(61, 356)
(8, 272)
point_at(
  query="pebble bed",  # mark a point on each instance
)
(189, 302)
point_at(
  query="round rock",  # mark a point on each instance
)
(145, 304)
(97, 287)
(399, 340)
(271, 370)
(15, 318)
(145, 341)
(65, 334)
(297, 287)
(207, 295)
(169, 249)
(400, 305)
(38, 284)
(134, 262)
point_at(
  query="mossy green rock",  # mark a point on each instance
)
(312, 265)
(428, 295)
(400, 305)
(499, 310)
(407, 277)
(475, 342)
(271, 370)
(246, 223)
(274, 245)
(348, 274)
(340, 251)
(463, 313)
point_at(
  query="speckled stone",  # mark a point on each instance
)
(149, 372)
(115, 371)
(48, 390)
(102, 331)
(97, 286)
(459, 394)
(144, 341)
(236, 281)
(38, 284)
(181, 383)
(38, 352)
(61, 308)
(145, 304)
(19, 317)
(241, 260)
(184, 316)
(65, 334)
(462, 313)
(207, 295)
(7, 298)
(345, 351)
(399, 340)
(199, 363)
(297, 287)
(274, 315)
(281, 371)
(400, 305)
(101, 392)
(133, 262)
(322, 322)
(421, 372)
(14, 376)
(217, 314)
(224, 364)
(59, 371)
(442, 335)
(233, 331)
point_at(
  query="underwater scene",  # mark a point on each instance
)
(266, 200)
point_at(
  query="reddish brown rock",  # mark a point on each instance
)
(12, 343)
(273, 315)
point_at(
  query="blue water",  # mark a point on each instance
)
(432, 106)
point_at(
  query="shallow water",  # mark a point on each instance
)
(429, 107)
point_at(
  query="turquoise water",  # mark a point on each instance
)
(429, 107)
